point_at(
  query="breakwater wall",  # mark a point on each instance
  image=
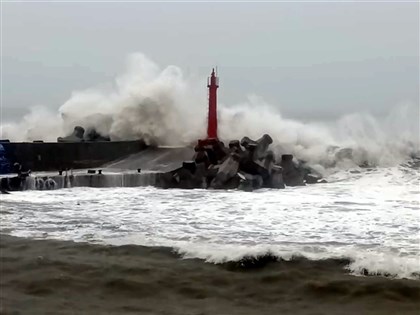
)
(52, 156)
(55, 181)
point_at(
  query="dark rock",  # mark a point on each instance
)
(310, 175)
(262, 145)
(249, 166)
(184, 179)
(342, 154)
(201, 156)
(218, 167)
(311, 179)
(227, 170)
(232, 183)
(257, 159)
(292, 175)
(198, 172)
(257, 181)
(249, 182)
(286, 157)
(200, 176)
(189, 165)
(213, 170)
(212, 157)
(275, 179)
(76, 136)
(168, 180)
(78, 132)
(245, 184)
(364, 164)
(414, 163)
(216, 150)
(211, 173)
(221, 152)
(189, 176)
(264, 167)
(92, 135)
(235, 146)
(248, 143)
(269, 160)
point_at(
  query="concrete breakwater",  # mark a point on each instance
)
(53, 156)
(48, 181)
(245, 165)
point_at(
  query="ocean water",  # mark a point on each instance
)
(368, 215)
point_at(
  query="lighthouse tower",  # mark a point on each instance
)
(212, 138)
(212, 84)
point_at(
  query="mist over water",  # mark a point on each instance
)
(164, 107)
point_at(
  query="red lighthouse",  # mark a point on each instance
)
(212, 139)
(212, 84)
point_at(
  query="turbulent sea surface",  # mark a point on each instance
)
(369, 216)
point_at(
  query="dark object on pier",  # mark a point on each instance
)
(75, 136)
(80, 135)
(92, 135)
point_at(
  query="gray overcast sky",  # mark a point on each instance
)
(312, 59)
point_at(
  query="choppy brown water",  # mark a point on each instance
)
(56, 277)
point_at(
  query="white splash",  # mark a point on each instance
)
(162, 106)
